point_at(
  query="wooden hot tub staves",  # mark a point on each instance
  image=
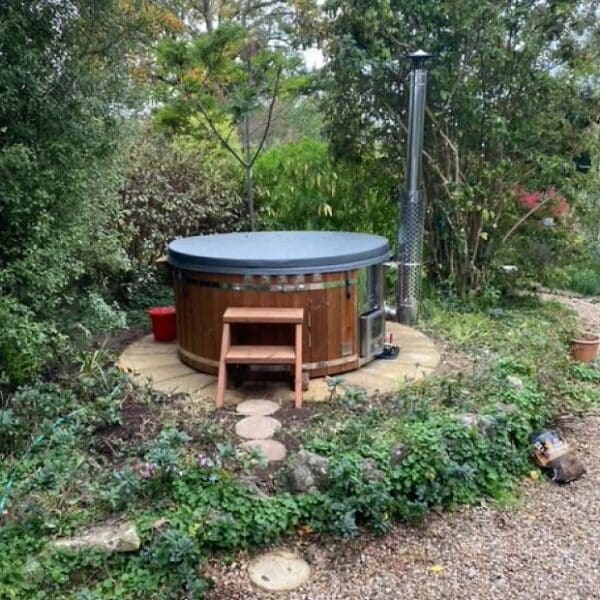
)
(317, 271)
(329, 300)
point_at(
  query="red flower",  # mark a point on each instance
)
(556, 204)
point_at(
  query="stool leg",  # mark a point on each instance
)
(222, 380)
(298, 369)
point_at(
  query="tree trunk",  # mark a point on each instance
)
(249, 192)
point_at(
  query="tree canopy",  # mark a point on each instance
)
(513, 87)
(218, 78)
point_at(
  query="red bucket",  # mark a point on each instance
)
(163, 323)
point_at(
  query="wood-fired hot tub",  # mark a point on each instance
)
(320, 272)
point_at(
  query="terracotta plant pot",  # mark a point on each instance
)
(585, 348)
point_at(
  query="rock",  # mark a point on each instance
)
(272, 450)
(308, 472)
(484, 424)
(257, 408)
(371, 471)
(397, 454)
(300, 479)
(566, 468)
(115, 537)
(279, 571)
(516, 382)
(257, 428)
(251, 485)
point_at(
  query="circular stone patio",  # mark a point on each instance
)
(158, 364)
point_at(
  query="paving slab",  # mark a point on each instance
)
(185, 384)
(257, 428)
(273, 450)
(147, 344)
(418, 358)
(279, 571)
(257, 407)
(148, 362)
(166, 372)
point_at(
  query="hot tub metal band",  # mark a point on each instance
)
(266, 287)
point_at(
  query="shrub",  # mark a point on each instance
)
(172, 189)
(26, 345)
(299, 186)
(585, 279)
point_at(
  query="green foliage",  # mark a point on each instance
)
(172, 189)
(523, 329)
(584, 278)
(64, 483)
(585, 372)
(25, 344)
(512, 100)
(64, 85)
(449, 463)
(176, 556)
(299, 186)
(216, 82)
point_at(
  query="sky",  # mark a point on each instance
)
(313, 58)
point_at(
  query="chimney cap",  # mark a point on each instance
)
(419, 57)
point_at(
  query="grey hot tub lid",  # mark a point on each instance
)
(278, 252)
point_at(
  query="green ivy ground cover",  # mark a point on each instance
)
(60, 481)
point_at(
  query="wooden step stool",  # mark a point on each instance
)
(261, 355)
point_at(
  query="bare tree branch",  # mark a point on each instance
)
(458, 175)
(269, 116)
(525, 217)
(211, 127)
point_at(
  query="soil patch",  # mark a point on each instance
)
(119, 340)
(139, 422)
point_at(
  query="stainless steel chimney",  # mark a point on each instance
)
(412, 209)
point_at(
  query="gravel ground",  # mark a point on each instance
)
(588, 309)
(547, 546)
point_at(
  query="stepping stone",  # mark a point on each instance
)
(257, 428)
(273, 450)
(279, 571)
(257, 408)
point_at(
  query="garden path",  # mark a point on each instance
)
(588, 309)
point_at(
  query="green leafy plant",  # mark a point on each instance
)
(300, 186)
(178, 559)
(585, 372)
